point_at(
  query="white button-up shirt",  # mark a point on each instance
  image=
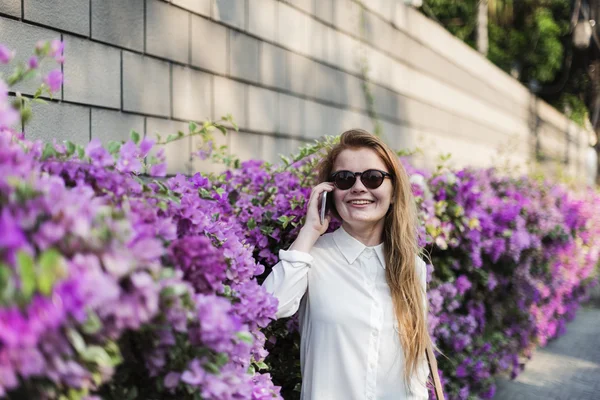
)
(350, 347)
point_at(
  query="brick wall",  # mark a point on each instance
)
(289, 72)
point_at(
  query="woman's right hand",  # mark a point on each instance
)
(313, 228)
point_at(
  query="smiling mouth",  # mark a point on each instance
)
(360, 202)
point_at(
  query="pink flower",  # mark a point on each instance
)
(6, 55)
(54, 80)
(33, 62)
(56, 50)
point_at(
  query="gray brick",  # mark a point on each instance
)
(11, 7)
(293, 29)
(243, 61)
(329, 83)
(386, 101)
(305, 5)
(273, 147)
(301, 75)
(230, 98)
(230, 12)
(92, 73)
(197, 6)
(209, 45)
(110, 125)
(59, 121)
(347, 15)
(22, 38)
(177, 152)
(245, 145)
(353, 92)
(262, 19)
(291, 115)
(119, 22)
(273, 66)
(69, 15)
(262, 109)
(146, 85)
(324, 10)
(192, 94)
(167, 32)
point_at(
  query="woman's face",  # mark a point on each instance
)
(360, 207)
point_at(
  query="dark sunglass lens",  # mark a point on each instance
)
(344, 180)
(372, 179)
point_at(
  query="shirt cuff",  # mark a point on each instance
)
(295, 256)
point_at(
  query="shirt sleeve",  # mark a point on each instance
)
(288, 280)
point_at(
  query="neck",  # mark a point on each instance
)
(369, 235)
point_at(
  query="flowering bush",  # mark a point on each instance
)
(115, 287)
(118, 286)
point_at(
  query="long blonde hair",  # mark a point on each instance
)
(400, 246)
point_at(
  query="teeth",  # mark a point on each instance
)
(359, 202)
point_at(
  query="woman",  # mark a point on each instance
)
(360, 289)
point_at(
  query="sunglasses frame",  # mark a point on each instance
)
(359, 174)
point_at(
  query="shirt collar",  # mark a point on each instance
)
(352, 248)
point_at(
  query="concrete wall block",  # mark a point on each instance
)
(146, 85)
(273, 66)
(304, 5)
(59, 121)
(319, 48)
(178, 152)
(192, 94)
(244, 145)
(354, 92)
(92, 73)
(343, 51)
(330, 84)
(110, 125)
(292, 117)
(293, 29)
(197, 6)
(230, 12)
(262, 109)
(209, 45)
(230, 98)
(11, 7)
(167, 32)
(386, 101)
(315, 117)
(243, 56)
(347, 16)
(68, 15)
(324, 10)
(22, 38)
(272, 147)
(262, 19)
(301, 74)
(119, 22)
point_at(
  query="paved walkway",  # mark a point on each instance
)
(566, 369)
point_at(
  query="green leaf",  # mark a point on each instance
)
(114, 147)
(76, 340)
(171, 138)
(245, 337)
(134, 136)
(97, 355)
(48, 151)
(212, 368)
(51, 269)
(80, 152)
(192, 126)
(251, 224)
(92, 324)
(7, 285)
(222, 129)
(70, 147)
(26, 274)
(262, 366)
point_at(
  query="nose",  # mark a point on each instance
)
(358, 187)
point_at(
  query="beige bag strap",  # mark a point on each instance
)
(433, 369)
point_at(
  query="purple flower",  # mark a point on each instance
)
(33, 62)
(98, 154)
(6, 55)
(462, 284)
(54, 80)
(128, 158)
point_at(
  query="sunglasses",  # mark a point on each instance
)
(371, 178)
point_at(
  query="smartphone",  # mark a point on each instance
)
(323, 206)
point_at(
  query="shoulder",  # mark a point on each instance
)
(324, 242)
